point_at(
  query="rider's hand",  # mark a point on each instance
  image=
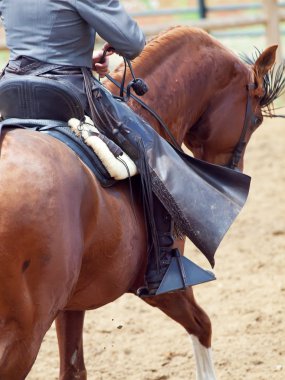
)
(100, 60)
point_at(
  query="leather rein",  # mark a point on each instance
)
(240, 146)
(140, 88)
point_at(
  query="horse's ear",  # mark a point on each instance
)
(261, 67)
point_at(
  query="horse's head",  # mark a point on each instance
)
(234, 112)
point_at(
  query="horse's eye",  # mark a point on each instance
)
(257, 121)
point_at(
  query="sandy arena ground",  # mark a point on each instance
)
(130, 340)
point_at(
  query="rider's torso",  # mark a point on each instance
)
(50, 31)
(63, 31)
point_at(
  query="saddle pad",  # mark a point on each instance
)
(86, 154)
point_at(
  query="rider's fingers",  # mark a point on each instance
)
(102, 66)
(102, 69)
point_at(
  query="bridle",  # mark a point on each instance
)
(240, 146)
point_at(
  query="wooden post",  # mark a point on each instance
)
(272, 25)
(202, 8)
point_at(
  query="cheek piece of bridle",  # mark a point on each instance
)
(248, 121)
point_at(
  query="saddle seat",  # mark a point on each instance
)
(32, 97)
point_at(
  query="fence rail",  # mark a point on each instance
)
(195, 10)
(270, 14)
(214, 24)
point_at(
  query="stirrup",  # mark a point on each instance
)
(180, 274)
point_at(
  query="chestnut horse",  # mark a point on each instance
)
(68, 245)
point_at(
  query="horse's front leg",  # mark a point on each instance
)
(182, 307)
(69, 328)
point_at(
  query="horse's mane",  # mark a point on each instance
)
(171, 40)
(173, 37)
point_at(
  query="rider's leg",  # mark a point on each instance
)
(159, 258)
(167, 269)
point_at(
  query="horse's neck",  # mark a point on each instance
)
(181, 85)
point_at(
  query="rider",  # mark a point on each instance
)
(63, 33)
